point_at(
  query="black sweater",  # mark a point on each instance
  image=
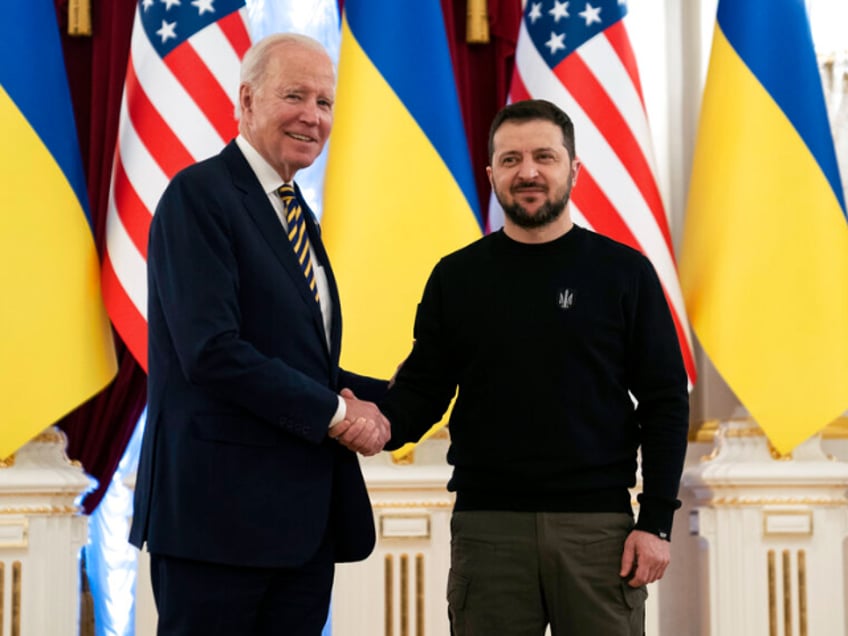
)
(546, 343)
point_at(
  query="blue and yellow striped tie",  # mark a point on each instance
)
(298, 237)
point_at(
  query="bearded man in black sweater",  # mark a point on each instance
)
(567, 362)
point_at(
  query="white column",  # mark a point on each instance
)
(400, 589)
(41, 533)
(773, 530)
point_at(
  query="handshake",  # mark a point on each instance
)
(365, 429)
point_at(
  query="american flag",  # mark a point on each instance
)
(178, 107)
(578, 56)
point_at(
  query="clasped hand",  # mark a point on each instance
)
(365, 429)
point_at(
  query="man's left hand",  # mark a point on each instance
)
(645, 558)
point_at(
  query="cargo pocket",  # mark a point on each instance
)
(457, 596)
(634, 597)
(457, 591)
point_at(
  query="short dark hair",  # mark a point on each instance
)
(529, 110)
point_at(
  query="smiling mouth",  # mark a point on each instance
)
(300, 137)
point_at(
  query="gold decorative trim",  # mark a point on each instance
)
(477, 22)
(16, 598)
(7, 462)
(705, 431)
(404, 460)
(49, 437)
(442, 433)
(388, 584)
(838, 429)
(772, 594)
(419, 594)
(40, 510)
(776, 501)
(802, 592)
(787, 594)
(404, 595)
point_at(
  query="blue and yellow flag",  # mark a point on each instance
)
(57, 348)
(764, 262)
(399, 192)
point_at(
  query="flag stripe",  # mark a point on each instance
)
(607, 118)
(203, 88)
(127, 263)
(165, 145)
(617, 36)
(135, 217)
(604, 217)
(123, 310)
(175, 111)
(390, 49)
(234, 28)
(759, 48)
(55, 127)
(142, 167)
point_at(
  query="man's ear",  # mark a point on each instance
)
(245, 98)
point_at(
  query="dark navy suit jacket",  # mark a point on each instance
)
(236, 466)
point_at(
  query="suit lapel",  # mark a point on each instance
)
(262, 212)
(314, 231)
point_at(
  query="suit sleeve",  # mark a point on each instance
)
(195, 287)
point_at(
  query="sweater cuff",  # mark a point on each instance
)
(656, 515)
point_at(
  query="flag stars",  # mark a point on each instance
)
(560, 10)
(591, 14)
(203, 6)
(170, 3)
(535, 12)
(167, 31)
(146, 4)
(556, 42)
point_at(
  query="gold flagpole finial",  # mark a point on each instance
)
(477, 22)
(79, 17)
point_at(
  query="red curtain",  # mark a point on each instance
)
(483, 73)
(99, 430)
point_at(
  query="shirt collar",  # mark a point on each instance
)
(269, 179)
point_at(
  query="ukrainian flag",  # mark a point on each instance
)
(57, 348)
(764, 261)
(399, 192)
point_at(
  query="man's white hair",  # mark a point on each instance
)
(255, 61)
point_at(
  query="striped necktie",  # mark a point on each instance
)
(298, 237)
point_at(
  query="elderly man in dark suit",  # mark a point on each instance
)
(244, 497)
